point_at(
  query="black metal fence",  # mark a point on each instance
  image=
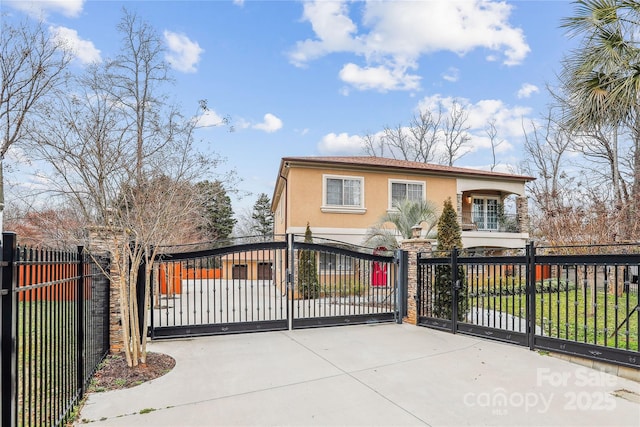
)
(271, 285)
(578, 301)
(338, 284)
(54, 331)
(238, 288)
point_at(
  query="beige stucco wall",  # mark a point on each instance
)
(305, 187)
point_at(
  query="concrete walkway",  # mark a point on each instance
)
(370, 375)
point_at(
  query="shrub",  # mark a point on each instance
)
(308, 284)
(449, 238)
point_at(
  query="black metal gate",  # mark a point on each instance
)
(345, 286)
(219, 291)
(578, 304)
(269, 286)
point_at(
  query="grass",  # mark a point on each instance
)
(46, 360)
(575, 315)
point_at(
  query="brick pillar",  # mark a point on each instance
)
(522, 210)
(110, 239)
(459, 207)
(413, 247)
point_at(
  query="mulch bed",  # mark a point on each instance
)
(114, 374)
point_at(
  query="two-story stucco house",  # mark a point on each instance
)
(341, 197)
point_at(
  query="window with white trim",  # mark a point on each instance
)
(485, 212)
(405, 190)
(334, 262)
(343, 192)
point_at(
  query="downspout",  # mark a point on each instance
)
(286, 202)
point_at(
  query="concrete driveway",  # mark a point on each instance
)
(369, 375)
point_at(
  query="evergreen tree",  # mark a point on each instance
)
(217, 212)
(308, 284)
(449, 237)
(262, 216)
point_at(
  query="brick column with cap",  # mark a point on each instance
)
(110, 239)
(413, 247)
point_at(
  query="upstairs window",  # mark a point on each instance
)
(342, 192)
(406, 190)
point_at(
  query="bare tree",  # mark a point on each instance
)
(245, 224)
(372, 145)
(399, 142)
(416, 142)
(564, 209)
(492, 133)
(31, 65)
(456, 135)
(126, 158)
(430, 134)
(424, 129)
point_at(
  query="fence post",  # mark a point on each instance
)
(531, 294)
(8, 332)
(150, 329)
(401, 284)
(290, 278)
(141, 291)
(454, 290)
(80, 318)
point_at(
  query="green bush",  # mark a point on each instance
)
(308, 284)
(509, 285)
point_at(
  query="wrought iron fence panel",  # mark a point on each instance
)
(228, 289)
(589, 303)
(55, 308)
(581, 304)
(428, 296)
(336, 285)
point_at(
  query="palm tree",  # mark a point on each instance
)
(406, 215)
(602, 75)
(602, 81)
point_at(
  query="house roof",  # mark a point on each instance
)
(382, 163)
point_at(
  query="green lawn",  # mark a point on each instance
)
(575, 315)
(46, 360)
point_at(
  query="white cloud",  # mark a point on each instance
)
(41, 8)
(83, 50)
(527, 90)
(209, 119)
(508, 119)
(378, 78)
(238, 2)
(270, 124)
(183, 54)
(334, 29)
(18, 156)
(393, 35)
(452, 74)
(340, 144)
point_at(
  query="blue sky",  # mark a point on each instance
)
(311, 78)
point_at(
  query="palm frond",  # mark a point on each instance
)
(405, 216)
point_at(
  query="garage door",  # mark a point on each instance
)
(264, 270)
(239, 271)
